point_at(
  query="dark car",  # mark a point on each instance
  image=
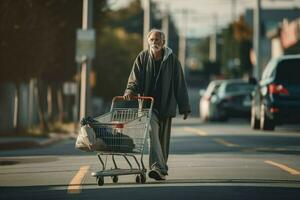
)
(276, 98)
(234, 99)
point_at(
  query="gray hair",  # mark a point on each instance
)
(154, 30)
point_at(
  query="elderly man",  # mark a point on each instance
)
(157, 72)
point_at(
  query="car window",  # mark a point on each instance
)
(288, 71)
(216, 88)
(212, 87)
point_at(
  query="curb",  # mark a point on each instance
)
(53, 138)
(18, 145)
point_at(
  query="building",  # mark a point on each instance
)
(270, 19)
(285, 38)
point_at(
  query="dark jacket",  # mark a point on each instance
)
(173, 85)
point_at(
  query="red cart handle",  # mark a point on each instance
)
(134, 97)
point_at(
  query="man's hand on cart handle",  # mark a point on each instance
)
(127, 96)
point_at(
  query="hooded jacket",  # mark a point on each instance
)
(173, 85)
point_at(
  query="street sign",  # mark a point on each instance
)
(85, 44)
(69, 88)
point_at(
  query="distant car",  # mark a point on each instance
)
(234, 99)
(206, 109)
(276, 98)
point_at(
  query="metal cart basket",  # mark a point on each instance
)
(123, 132)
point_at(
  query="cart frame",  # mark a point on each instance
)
(128, 115)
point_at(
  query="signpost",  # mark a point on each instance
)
(85, 44)
(85, 52)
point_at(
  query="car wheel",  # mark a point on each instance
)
(221, 114)
(254, 121)
(265, 122)
(223, 118)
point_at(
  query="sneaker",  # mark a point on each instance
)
(157, 175)
(165, 173)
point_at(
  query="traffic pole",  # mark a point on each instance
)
(146, 6)
(257, 40)
(85, 91)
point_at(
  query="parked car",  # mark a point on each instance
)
(234, 99)
(276, 98)
(206, 109)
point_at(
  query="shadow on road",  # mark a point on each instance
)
(204, 191)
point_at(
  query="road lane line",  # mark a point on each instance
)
(194, 130)
(283, 167)
(75, 184)
(225, 143)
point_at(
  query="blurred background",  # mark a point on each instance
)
(61, 60)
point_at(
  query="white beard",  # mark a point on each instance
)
(155, 48)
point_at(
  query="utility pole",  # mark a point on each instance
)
(182, 40)
(257, 40)
(165, 22)
(85, 92)
(233, 10)
(213, 41)
(147, 8)
(165, 26)
(213, 47)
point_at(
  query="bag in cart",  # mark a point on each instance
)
(115, 140)
(86, 139)
(109, 138)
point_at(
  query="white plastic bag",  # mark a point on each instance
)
(87, 141)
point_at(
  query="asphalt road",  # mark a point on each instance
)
(207, 161)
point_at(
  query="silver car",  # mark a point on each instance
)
(207, 108)
(233, 99)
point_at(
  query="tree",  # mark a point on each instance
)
(115, 54)
(237, 42)
(38, 41)
(118, 42)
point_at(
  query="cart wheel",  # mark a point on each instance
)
(115, 179)
(100, 181)
(143, 178)
(137, 179)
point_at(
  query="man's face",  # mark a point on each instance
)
(155, 42)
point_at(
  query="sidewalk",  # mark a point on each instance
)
(23, 142)
(26, 142)
(190, 121)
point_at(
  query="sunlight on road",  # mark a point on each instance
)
(283, 167)
(225, 143)
(75, 184)
(194, 130)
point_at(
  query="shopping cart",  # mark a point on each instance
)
(123, 132)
